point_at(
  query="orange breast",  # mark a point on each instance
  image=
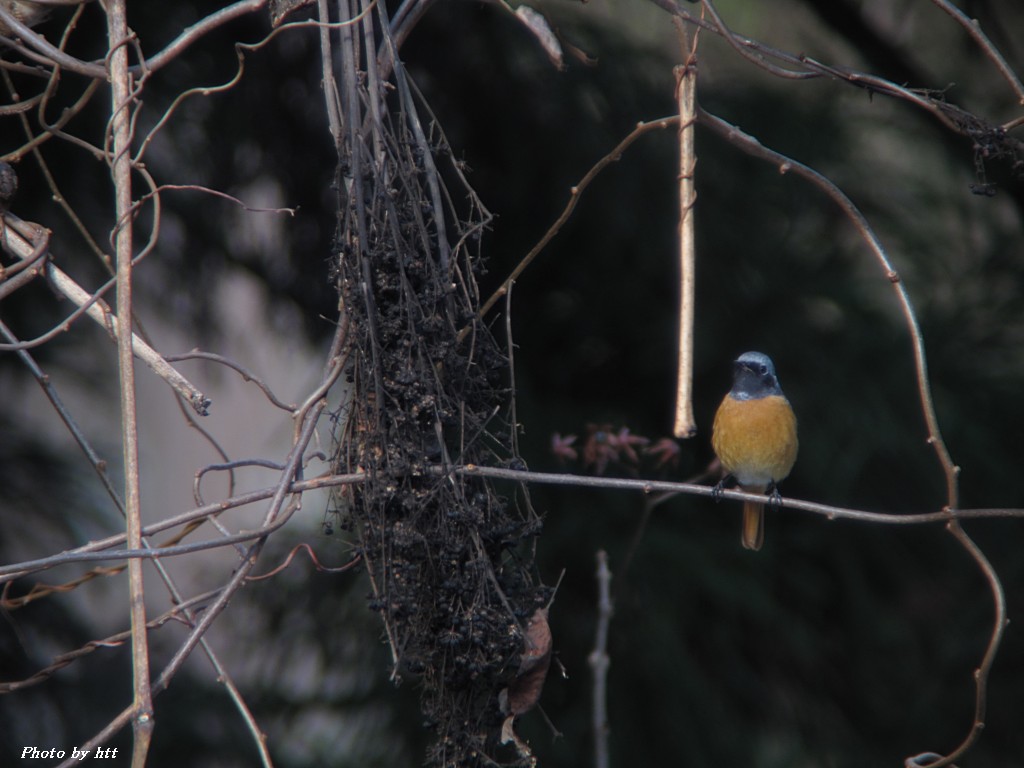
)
(755, 439)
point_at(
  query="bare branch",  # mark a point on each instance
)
(244, 372)
(18, 239)
(121, 122)
(982, 672)
(803, 67)
(988, 48)
(38, 49)
(312, 556)
(113, 641)
(198, 30)
(667, 486)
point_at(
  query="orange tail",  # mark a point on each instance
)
(753, 525)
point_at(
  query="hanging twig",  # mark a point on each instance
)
(685, 424)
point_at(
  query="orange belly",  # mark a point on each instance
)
(755, 439)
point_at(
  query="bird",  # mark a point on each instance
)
(754, 437)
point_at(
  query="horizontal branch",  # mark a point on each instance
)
(176, 613)
(103, 549)
(667, 486)
(799, 66)
(73, 556)
(35, 47)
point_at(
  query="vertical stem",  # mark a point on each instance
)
(330, 85)
(120, 126)
(599, 662)
(686, 93)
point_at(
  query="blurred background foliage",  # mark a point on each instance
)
(839, 644)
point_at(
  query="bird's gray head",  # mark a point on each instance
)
(753, 377)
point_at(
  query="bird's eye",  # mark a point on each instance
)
(764, 369)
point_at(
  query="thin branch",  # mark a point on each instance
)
(96, 550)
(427, 157)
(987, 46)
(18, 239)
(52, 130)
(316, 563)
(90, 554)
(982, 672)
(275, 516)
(113, 641)
(16, 570)
(647, 487)
(55, 130)
(332, 101)
(40, 590)
(242, 371)
(26, 270)
(38, 49)
(201, 28)
(807, 68)
(510, 344)
(749, 50)
(110, 730)
(205, 90)
(575, 192)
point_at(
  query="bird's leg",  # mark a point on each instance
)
(774, 497)
(716, 492)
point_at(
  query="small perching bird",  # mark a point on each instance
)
(754, 436)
